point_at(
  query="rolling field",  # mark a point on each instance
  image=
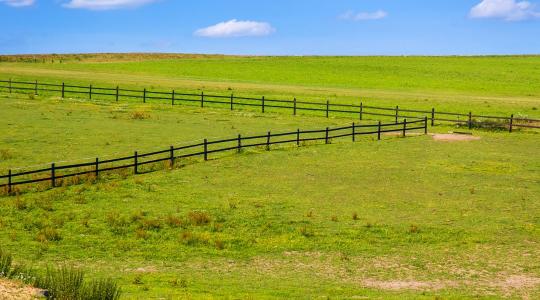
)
(398, 218)
(487, 85)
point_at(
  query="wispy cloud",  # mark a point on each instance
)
(509, 10)
(106, 4)
(363, 16)
(18, 3)
(235, 28)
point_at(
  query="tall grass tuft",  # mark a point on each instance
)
(104, 289)
(5, 263)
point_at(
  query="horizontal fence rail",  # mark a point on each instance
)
(56, 173)
(232, 102)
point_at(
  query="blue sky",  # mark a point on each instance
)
(274, 27)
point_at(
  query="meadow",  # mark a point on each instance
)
(398, 218)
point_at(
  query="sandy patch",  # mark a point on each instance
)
(452, 137)
(10, 290)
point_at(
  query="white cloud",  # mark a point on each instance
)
(106, 4)
(235, 28)
(509, 10)
(364, 16)
(18, 3)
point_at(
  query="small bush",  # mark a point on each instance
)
(48, 234)
(6, 154)
(151, 224)
(199, 218)
(5, 263)
(139, 115)
(174, 221)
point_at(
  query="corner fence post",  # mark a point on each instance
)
(470, 120)
(53, 176)
(10, 85)
(136, 160)
(96, 171)
(205, 149)
(326, 136)
(202, 98)
(298, 137)
(327, 107)
(353, 132)
(361, 110)
(404, 127)
(90, 92)
(294, 108)
(262, 101)
(268, 141)
(433, 117)
(144, 96)
(171, 152)
(379, 131)
(511, 123)
(232, 97)
(117, 93)
(36, 88)
(425, 124)
(239, 147)
(397, 114)
(9, 181)
(63, 90)
(172, 98)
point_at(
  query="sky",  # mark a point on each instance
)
(272, 27)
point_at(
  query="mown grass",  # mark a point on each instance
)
(504, 84)
(340, 220)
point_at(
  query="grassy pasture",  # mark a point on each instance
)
(397, 218)
(500, 84)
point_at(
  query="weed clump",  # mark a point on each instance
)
(139, 115)
(306, 232)
(48, 234)
(198, 218)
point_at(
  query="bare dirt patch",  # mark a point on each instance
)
(453, 137)
(10, 290)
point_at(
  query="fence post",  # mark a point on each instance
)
(202, 98)
(326, 136)
(144, 96)
(117, 93)
(239, 147)
(53, 180)
(425, 124)
(232, 97)
(361, 110)
(397, 114)
(298, 137)
(263, 104)
(511, 122)
(171, 150)
(353, 132)
(268, 141)
(470, 120)
(9, 181)
(10, 85)
(205, 149)
(63, 89)
(327, 107)
(97, 168)
(379, 131)
(136, 158)
(433, 117)
(90, 92)
(404, 127)
(172, 98)
(294, 109)
(36, 88)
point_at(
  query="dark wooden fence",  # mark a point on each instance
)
(54, 173)
(231, 101)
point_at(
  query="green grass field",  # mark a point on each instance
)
(398, 218)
